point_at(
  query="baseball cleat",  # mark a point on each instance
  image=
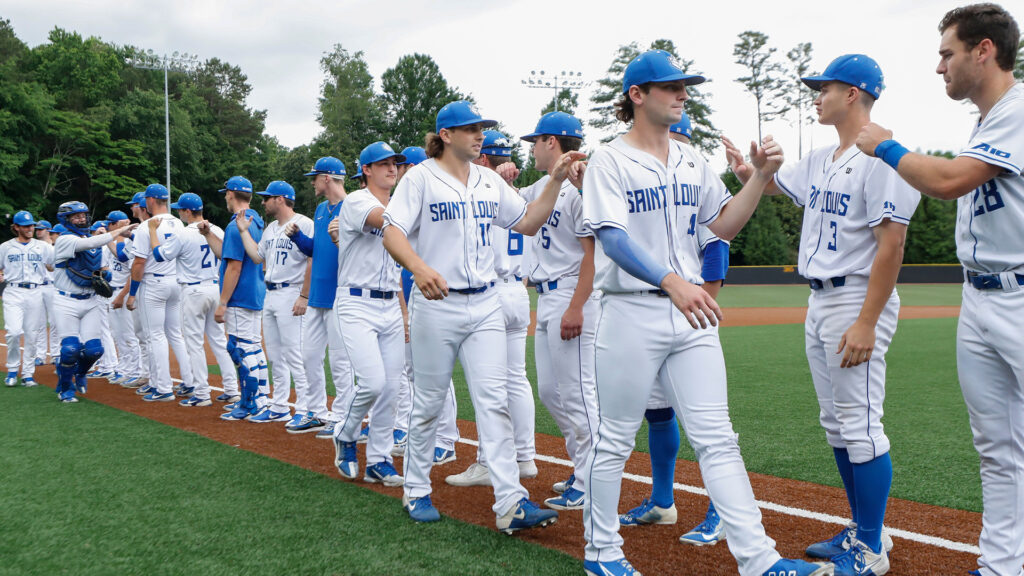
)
(269, 415)
(193, 401)
(144, 389)
(308, 423)
(840, 543)
(99, 374)
(328, 431)
(527, 469)
(11, 381)
(69, 400)
(364, 435)
(401, 436)
(421, 509)
(29, 382)
(709, 532)
(443, 456)
(525, 515)
(226, 397)
(231, 406)
(133, 382)
(649, 513)
(345, 458)
(620, 567)
(185, 391)
(571, 499)
(476, 475)
(82, 384)
(158, 397)
(559, 487)
(788, 567)
(296, 418)
(116, 378)
(859, 560)
(239, 413)
(383, 473)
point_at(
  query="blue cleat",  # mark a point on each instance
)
(296, 418)
(308, 423)
(571, 499)
(525, 515)
(860, 560)
(840, 543)
(238, 413)
(442, 456)
(28, 382)
(328, 430)
(562, 486)
(11, 380)
(620, 567)
(364, 435)
(383, 473)
(709, 532)
(145, 389)
(158, 397)
(225, 397)
(648, 513)
(421, 509)
(788, 567)
(345, 459)
(184, 391)
(195, 402)
(269, 415)
(400, 437)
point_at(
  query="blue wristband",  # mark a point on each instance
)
(891, 152)
(134, 287)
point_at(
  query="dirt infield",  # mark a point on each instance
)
(653, 550)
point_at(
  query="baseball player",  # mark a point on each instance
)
(662, 427)
(197, 270)
(23, 265)
(46, 350)
(77, 255)
(856, 213)
(368, 307)
(160, 297)
(320, 331)
(242, 295)
(106, 366)
(128, 358)
(509, 247)
(285, 271)
(437, 225)
(644, 195)
(976, 59)
(138, 207)
(447, 429)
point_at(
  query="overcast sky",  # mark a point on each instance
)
(487, 48)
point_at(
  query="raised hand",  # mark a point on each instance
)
(243, 221)
(740, 167)
(508, 172)
(560, 170)
(576, 171)
(871, 135)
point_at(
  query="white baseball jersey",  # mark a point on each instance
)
(169, 226)
(195, 261)
(510, 250)
(65, 248)
(449, 224)
(25, 263)
(120, 272)
(842, 201)
(283, 260)
(988, 224)
(659, 205)
(362, 260)
(555, 249)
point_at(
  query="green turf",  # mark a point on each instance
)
(100, 491)
(749, 296)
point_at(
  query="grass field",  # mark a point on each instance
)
(98, 492)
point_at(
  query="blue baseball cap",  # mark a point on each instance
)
(414, 155)
(359, 169)
(496, 144)
(98, 224)
(142, 202)
(682, 127)
(59, 229)
(43, 225)
(24, 218)
(117, 216)
(854, 69)
(279, 188)
(158, 191)
(376, 152)
(188, 201)
(135, 199)
(237, 184)
(327, 165)
(656, 66)
(460, 113)
(556, 124)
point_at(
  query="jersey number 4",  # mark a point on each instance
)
(987, 198)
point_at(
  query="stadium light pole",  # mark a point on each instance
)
(564, 80)
(176, 62)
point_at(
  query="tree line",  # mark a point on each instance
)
(78, 122)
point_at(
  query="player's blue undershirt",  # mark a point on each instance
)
(250, 291)
(324, 278)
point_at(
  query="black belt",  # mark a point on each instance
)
(989, 281)
(472, 290)
(272, 286)
(378, 294)
(27, 285)
(543, 287)
(837, 282)
(75, 296)
(201, 281)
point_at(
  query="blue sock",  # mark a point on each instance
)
(663, 443)
(846, 473)
(873, 480)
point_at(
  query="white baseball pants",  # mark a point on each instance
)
(198, 309)
(283, 333)
(160, 303)
(23, 315)
(321, 335)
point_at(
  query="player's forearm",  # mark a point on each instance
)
(304, 290)
(712, 288)
(303, 242)
(630, 256)
(138, 268)
(738, 211)
(538, 211)
(83, 244)
(885, 270)
(585, 282)
(231, 273)
(396, 243)
(935, 176)
(215, 243)
(251, 248)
